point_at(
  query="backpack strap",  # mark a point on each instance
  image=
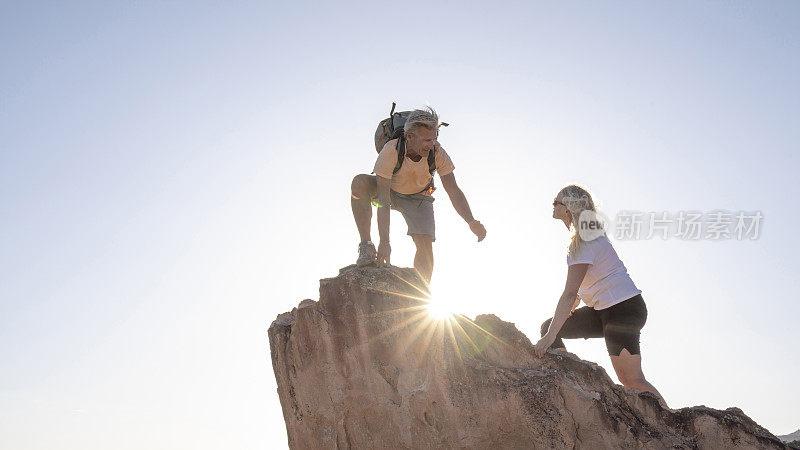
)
(432, 160)
(390, 120)
(431, 169)
(401, 153)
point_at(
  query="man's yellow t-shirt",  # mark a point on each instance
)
(413, 176)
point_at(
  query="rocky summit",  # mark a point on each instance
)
(367, 366)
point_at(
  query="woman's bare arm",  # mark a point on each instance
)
(575, 276)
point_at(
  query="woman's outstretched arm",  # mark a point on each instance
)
(575, 276)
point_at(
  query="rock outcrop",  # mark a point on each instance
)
(790, 437)
(367, 367)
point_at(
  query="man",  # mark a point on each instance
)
(408, 191)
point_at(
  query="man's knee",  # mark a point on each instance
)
(362, 185)
(546, 326)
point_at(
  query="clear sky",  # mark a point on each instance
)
(173, 175)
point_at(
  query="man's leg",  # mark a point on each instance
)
(423, 260)
(362, 190)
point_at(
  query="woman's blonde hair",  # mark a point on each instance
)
(577, 200)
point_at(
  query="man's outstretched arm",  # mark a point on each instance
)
(461, 205)
(384, 204)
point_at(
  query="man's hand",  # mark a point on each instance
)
(477, 227)
(384, 251)
(544, 343)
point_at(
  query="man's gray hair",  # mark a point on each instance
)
(425, 118)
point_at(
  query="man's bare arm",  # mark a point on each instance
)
(459, 201)
(384, 205)
(457, 197)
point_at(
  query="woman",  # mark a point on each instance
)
(615, 309)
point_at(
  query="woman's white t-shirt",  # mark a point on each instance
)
(607, 281)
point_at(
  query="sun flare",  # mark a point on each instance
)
(439, 309)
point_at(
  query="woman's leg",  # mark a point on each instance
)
(583, 323)
(622, 325)
(629, 371)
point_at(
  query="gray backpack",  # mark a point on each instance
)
(392, 128)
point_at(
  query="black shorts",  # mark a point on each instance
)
(620, 325)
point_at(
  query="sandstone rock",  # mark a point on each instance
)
(367, 367)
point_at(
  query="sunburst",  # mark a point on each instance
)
(427, 319)
(439, 309)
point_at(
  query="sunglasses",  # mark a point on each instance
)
(556, 202)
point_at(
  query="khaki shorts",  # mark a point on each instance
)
(417, 210)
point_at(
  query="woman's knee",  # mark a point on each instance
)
(546, 326)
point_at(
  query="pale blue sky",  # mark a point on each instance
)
(174, 175)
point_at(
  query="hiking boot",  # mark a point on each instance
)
(366, 254)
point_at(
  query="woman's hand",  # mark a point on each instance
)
(544, 343)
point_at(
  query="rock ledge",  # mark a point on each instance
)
(367, 367)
